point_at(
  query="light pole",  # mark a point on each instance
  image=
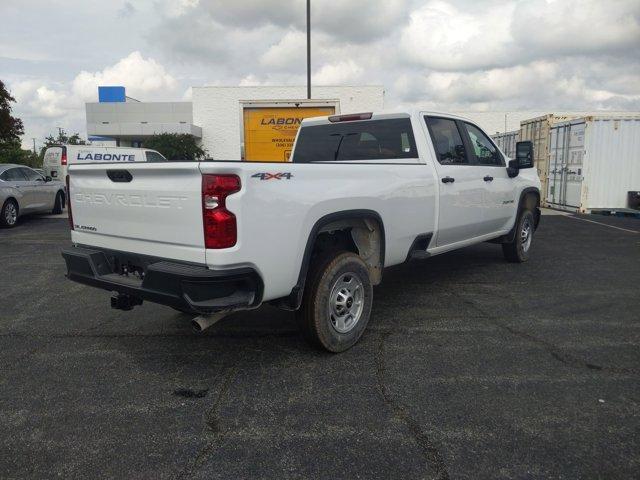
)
(309, 49)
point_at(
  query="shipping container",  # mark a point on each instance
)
(537, 130)
(507, 142)
(593, 163)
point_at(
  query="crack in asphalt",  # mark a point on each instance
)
(431, 453)
(212, 431)
(553, 350)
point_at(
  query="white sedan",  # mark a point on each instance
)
(24, 191)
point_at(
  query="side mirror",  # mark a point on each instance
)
(48, 178)
(524, 154)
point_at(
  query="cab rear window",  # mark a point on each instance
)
(365, 140)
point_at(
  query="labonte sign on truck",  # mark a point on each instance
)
(58, 157)
(363, 192)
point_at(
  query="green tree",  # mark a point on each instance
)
(176, 146)
(11, 128)
(63, 139)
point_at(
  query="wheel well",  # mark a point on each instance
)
(362, 236)
(14, 201)
(357, 231)
(531, 201)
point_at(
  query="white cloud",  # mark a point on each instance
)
(138, 75)
(339, 73)
(290, 50)
(442, 37)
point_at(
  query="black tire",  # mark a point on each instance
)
(519, 249)
(7, 218)
(57, 205)
(336, 283)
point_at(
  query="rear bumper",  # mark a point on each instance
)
(179, 285)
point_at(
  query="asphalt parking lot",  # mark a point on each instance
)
(471, 368)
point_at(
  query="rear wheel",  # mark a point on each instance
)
(57, 206)
(9, 214)
(518, 249)
(336, 304)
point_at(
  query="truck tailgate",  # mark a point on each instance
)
(153, 209)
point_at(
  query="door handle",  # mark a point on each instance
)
(448, 180)
(488, 179)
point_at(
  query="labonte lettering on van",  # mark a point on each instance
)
(105, 157)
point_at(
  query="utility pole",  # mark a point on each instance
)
(309, 49)
(34, 144)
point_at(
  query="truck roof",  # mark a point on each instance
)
(384, 114)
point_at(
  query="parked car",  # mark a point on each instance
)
(363, 192)
(24, 191)
(57, 158)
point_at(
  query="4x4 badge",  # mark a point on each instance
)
(272, 176)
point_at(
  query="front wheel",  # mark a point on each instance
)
(518, 249)
(336, 304)
(9, 214)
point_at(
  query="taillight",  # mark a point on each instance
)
(69, 203)
(63, 159)
(220, 229)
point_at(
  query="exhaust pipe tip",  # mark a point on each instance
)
(202, 322)
(195, 326)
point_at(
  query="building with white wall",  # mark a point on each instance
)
(128, 124)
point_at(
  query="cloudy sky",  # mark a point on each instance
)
(443, 54)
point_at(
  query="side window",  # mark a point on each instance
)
(13, 175)
(363, 140)
(486, 152)
(31, 175)
(155, 157)
(447, 141)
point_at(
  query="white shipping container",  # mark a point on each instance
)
(593, 162)
(507, 142)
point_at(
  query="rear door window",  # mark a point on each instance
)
(485, 151)
(447, 141)
(31, 175)
(364, 140)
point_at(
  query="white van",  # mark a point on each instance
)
(57, 158)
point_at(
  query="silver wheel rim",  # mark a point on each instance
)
(526, 234)
(10, 214)
(346, 302)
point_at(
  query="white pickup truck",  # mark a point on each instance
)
(362, 192)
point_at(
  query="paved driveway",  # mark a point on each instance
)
(471, 368)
